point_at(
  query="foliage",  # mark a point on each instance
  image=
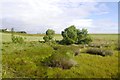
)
(83, 36)
(23, 60)
(71, 35)
(18, 39)
(47, 38)
(63, 61)
(22, 32)
(50, 32)
(98, 51)
(49, 35)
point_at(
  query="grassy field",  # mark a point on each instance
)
(23, 60)
(6, 37)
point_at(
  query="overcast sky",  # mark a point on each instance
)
(36, 16)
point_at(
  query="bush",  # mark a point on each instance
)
(71, 35)
(83, 37)
(50, 32)
(47, 38)
(22, 32)
(49, 35)
(98, 51)
(63, 61)
(16, 39)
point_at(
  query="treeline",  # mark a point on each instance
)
(9, 31)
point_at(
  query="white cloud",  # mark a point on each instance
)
(104, 26)
(39, 15)
(83, 23)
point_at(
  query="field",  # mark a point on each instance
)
(24, 60)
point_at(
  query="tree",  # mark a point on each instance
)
(50, 32)
(83, 36)
(49, 35)
(71, 35)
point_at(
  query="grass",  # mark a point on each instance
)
(24, 60)
(6, 37)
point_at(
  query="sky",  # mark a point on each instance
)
(36, 16)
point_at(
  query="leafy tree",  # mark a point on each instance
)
(50, 32)
(49, 35)
(83, 36)
(71, 35)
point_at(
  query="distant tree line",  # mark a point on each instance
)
(9, 31)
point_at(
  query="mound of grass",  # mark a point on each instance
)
(98, 51)
(63, 61)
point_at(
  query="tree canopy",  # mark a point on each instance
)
(49, 35)
(71, 35)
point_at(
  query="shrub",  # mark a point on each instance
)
(16, 39)
(47, 38)
(50, 32)
(49, 35)
(83, 37)
(59, 60)
(98, 51)
(71, 35)
(22, 32)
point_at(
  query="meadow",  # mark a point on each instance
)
(24, 60)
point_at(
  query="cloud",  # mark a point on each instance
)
(39, 15)
(104, 26)
(83, 23)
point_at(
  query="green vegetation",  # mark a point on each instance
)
(49, 35)
(71, 35)
(36, 59)
(98, 51)
(16, 39)
(86, 56)
(83, 36)
(63, 61)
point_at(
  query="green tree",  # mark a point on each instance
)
(50, 32)
(83, 36)
(49, 35)
(71, 35)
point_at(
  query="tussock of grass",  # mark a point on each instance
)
(98, 51)
(63, 61)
